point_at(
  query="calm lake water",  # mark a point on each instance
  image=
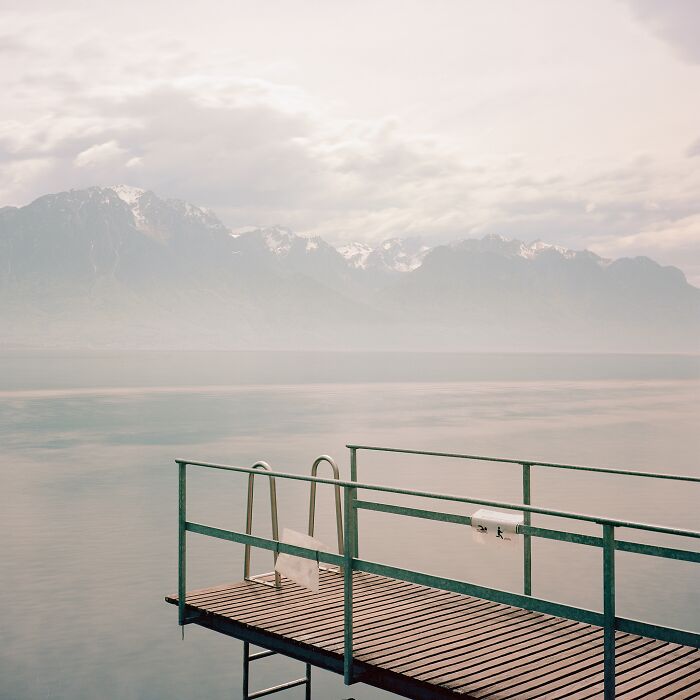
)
(88, 492)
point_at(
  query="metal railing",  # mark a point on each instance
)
(249, 524)
(526, 465)
(350, 561)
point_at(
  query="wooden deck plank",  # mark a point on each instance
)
(260, 615)
(376, 623)
(557, 674)
(430, 665)
(412, 608)
(681, 689)
(496, 638)
(629, 666)
(427, 643)
(655, 674)
(522, 664)
(322, 619)
(379, 636)
(584, 685)
(288, 608)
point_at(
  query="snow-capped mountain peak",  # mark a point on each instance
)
(127, 193)
(513, 248)
(146, 206)
(278, 239)
(131, 196)
(356, 254)
(537, 247)
(401, 254)
(393, 254)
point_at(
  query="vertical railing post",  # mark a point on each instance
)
(350, 544)
(609, 610)
(353, 477)
(527, 540)
(181, 537)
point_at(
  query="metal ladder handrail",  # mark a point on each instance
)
(338, 507)
(249, 525)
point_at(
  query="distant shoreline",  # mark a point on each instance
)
(118, 370)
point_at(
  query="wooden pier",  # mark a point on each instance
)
(423, 643)
(429, 637)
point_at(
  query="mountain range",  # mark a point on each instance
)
(122, 267)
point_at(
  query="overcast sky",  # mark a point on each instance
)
(574, 122)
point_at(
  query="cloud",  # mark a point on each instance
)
(675, 22)
(246, 152)
(677, 238)
(244, 149)
(10, 44)
(694, 149)
(108, 153)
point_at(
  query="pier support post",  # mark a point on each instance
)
(350, 546)
(527, 540)
(609, 610)
(182, 539)
(353, 477)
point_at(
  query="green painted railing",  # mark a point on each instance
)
(349, 561)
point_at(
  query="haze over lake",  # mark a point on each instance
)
(88, 491)
(121, 267)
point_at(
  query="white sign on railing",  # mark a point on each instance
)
(495, 526)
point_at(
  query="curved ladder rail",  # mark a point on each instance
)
(247, 656)
(249, 525)
(338, 507)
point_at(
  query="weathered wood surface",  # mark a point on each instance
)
(422, 642)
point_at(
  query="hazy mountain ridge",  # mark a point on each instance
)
(120, 266)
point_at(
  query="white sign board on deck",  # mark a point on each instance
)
(303, 572)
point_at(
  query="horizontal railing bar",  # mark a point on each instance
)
(548, 534)
(447, 584)
(531, 462)
(415, 512)
(621, 545)
(277, 688)
(466, 520)
(449, 497)
(655, 551)
(519, 600)
(665, 634)
(329, 558)
(264, 543)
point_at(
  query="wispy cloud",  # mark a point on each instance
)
(693, 149)
(675, 23)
